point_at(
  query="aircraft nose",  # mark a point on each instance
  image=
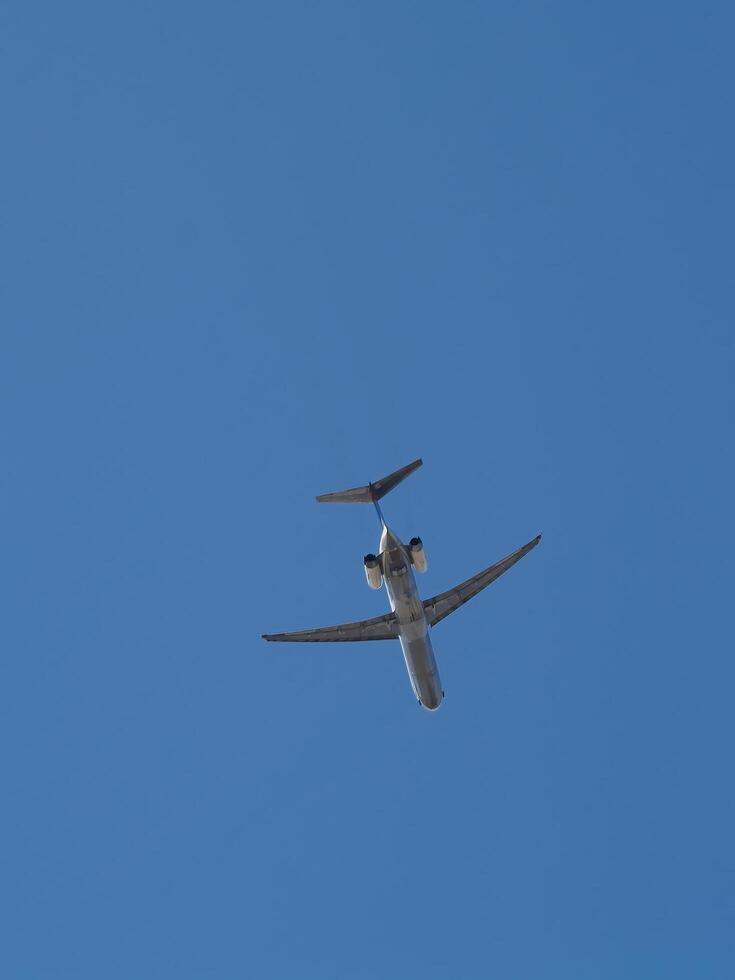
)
(433, 701)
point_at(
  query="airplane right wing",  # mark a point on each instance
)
(380, 628)
(446, 602)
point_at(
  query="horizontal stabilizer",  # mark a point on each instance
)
(373, 491)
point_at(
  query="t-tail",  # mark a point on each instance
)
(372, 492)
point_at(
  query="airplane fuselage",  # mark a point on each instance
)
(406, 603)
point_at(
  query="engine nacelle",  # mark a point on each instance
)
(418, 555)
(373, 571)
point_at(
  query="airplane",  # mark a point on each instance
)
(410, 617)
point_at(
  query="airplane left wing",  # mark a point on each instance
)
(446, 602)
(380, 628)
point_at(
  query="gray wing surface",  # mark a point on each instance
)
(372, 491)
(446, 602)
(380, 628)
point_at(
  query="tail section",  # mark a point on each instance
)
(373, 492)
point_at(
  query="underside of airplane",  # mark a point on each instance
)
(411, 617)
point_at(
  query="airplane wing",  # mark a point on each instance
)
(446, 602)
(380, 628)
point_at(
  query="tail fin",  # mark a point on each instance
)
(373, 491)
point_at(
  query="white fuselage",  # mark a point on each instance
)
(406, 603)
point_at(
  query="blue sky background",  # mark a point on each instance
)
(252, 252)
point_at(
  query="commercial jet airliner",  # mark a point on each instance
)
(410, 617)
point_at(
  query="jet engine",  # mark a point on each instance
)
(418, 555)
(373, 571)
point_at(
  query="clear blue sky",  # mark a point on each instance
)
(252, 252)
